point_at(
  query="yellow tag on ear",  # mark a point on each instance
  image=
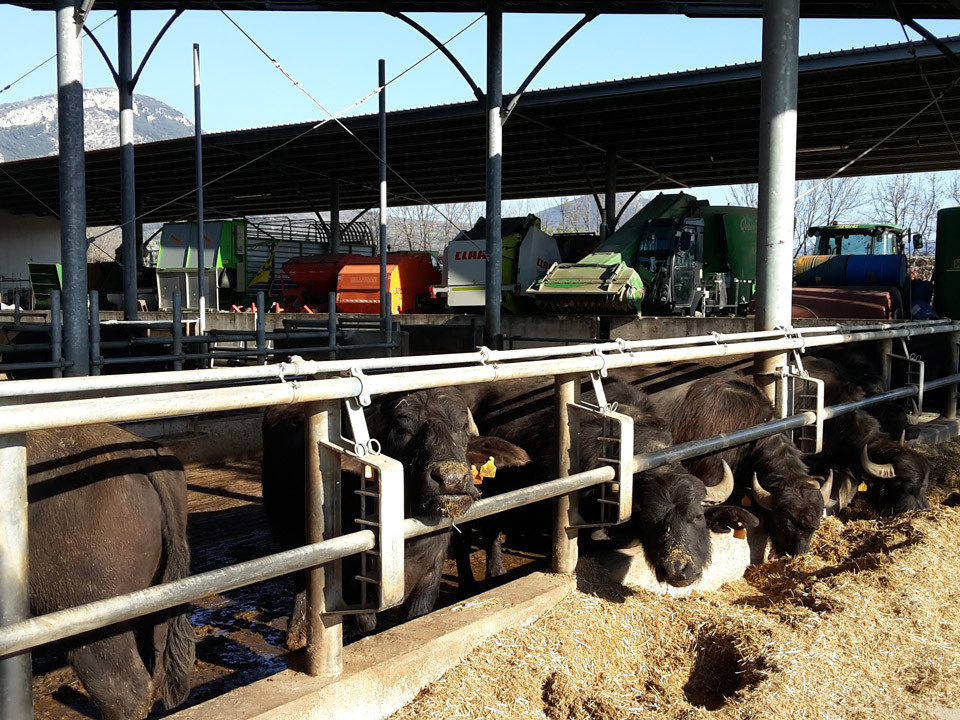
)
(746, 501)
(862, 487)
(488, 469)
(740, 533)
(477, 480)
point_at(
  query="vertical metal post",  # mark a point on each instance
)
(331, 325)
(176, 331)
(492, 336)
(73, 195)
(95, 359)
(16, 309)
(128, 192)
(886, 348)
(388, 326)
(382, 124)
(949, 409)
(56, 333)
(610, 200)
(16, 690)
(778, 153)
(201, 292)
(566, 389)
(334, 215)
(325, 632)
(261, 329)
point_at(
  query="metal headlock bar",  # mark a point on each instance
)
(913, 372)
(380, 493)
(798, 392)
(614, 502)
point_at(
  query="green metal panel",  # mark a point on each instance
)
(44, 278)
(946, 272)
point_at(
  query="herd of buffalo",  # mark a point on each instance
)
(100, 482)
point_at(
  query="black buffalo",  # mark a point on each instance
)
(430, 432)
(859, 452)
(672, 514)
(769, 471)
(107, 516)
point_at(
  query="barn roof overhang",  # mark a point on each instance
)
(927, 9)
(686, 129)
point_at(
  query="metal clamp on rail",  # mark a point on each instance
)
(484, 354)
(363, 444)
(603, 360)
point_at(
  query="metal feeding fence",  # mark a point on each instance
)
(323, 386)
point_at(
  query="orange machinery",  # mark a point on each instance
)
(409, 277)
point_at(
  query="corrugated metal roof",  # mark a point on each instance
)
(698, 127)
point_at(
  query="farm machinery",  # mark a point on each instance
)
(677, 256)
(857, 271)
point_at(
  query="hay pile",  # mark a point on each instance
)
(866, 625)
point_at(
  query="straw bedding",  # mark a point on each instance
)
(866, 625)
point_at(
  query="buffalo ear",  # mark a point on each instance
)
(503, 452)
(723, 518)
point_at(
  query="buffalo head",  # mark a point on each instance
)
(431, 432)
(795, 507)
(672, 518)
(896, 476)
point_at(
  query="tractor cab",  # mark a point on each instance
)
(670, 261)
(862, 239)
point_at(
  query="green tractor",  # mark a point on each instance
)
(676, 256)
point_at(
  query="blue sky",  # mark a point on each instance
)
(334, 55)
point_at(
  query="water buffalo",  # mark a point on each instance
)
(857, 450)
(771, 470)
(108, 516)
(430, 432)
(672, 513)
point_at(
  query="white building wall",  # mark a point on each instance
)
(25, 239)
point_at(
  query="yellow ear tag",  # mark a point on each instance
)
(746, 501)
(488, 469)
(740, 533)
(477, 480)
(862, 487)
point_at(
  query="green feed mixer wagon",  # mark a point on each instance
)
(676, 256)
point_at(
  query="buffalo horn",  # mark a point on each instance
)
(763, 498)
(883, 471)
(903, 437)
(827, 487)
(717, 494)
(472, 428)
(847, 490)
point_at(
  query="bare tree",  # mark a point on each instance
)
(429, 227)
(746, 195)
(821, 203)
(910, 201)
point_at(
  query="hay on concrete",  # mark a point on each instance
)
(866, 625)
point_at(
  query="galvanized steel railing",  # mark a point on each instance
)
(18, 633)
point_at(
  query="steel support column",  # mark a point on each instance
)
(777, 175)
(382, 126)
(334, 215)
(128, 191)
(16, 690)
(492, 336)
(73, 194)
(324, 632)
(566, 390)
(201, 259)
(610, 199)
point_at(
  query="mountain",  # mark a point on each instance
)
(29, 128)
